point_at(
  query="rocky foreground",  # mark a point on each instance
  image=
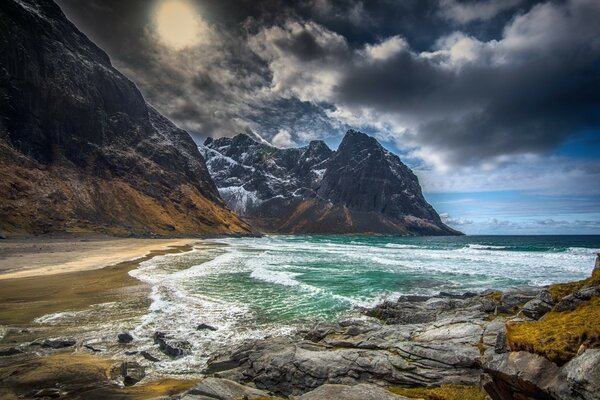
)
(524, 343)
(474, 341)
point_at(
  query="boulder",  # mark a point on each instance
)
(132, 372)
(581, 376)
(420, 342)
(223, 389)
(501, 346)
(515, 297)
(523, 375)
(93, 348)
(149, 356)
(124, 337)
(545, 296)
(171, 347)
(536, 308)
(519, 375)
(204, 327)
(574, 300)
(58, 343)
(361, 391)
(10, 351)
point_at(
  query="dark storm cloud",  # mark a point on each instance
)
(465, 99)
(464, 81)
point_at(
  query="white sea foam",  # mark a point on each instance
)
(583, 251)
(243, 288)
(279, 277)
(401, 246)
(484, 247)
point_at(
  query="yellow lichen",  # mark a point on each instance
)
(559, 335)
(261, 398)
(495, 296)
(560, 290)
(164, 387)
(444, 392)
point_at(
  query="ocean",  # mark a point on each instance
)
(255, 287)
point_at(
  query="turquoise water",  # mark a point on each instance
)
(252, 287)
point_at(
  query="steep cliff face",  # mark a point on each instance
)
(360, 188)
(80, 150)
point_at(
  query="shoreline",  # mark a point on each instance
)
(43, 256)
(30, 293)
(457, 330)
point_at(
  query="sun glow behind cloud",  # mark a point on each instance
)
(178, 24)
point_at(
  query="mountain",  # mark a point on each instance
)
(81, 150)
(360, 188)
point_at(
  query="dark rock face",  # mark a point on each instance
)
(124, 337)
(149, 356)
(523, 375)
(172, 348)
(536, 308)
(205, 327)
(10, 351)
(58, 343)
(79, 147)
(360, 188)
(132, 373)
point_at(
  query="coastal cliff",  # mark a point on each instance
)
(81, 150)
(359, 188)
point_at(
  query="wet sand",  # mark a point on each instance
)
(30, 292)
(34, 283)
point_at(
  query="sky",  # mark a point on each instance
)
(494, 104)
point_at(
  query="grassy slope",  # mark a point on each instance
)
(559, 335)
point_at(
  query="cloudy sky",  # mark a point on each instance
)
(495, 104)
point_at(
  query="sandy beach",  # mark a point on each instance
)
(44, 275)
(35, 256)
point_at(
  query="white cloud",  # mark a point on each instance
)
(447, 219)
(283, 138)
(551, 175)
(303, 57)
(386, 49)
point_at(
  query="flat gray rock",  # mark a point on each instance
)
(223, 389)
(445, 349)
(581, 377)
(357, 392)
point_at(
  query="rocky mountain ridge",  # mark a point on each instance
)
(81, 150)
(360, 188)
